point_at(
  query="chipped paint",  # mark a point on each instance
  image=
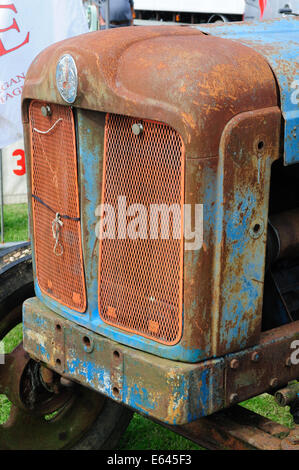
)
(277, 40)
(171, 391)
(220, 80)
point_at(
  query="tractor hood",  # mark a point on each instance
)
(193, 81)
(278, 41)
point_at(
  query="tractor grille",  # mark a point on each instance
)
(141, 279)
(57, 240)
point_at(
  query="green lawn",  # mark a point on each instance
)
(141, 433)
(15, 223)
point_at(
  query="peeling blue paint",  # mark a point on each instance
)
(277, 41)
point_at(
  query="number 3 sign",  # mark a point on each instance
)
(21, 168)
(14, 173)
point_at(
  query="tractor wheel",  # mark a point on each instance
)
(34, 416)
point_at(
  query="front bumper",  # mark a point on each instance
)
(170, 391)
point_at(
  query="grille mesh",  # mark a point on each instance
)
(54, 182)
(140, 280)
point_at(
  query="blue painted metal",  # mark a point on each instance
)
(222, 112)
(173, 392)
(220, 316)
(278, 41)
(240, 296)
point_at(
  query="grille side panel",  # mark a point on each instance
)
(55, 190)
(141, 280)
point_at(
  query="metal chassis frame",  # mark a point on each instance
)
(239, 429)
(172, 392)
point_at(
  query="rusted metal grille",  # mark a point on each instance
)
(59, 269)
(140, 276)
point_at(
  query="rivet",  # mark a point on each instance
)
(234, 364)
(137, 128)
(233, 398)
(274, 382)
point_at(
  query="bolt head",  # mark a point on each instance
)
(234, 398)
(137, 128)
(234, 364)
(46, 110)
(274, 382)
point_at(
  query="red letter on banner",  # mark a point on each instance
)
(20, 162)
(14, 25)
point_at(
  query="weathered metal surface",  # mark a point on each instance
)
(288, 394)
(26, 430)
(209, 315)
(277, 40)
(170, 391)
(219, 79)
(292, 441)
(223, 103)
(265, 368)
(239, 429)
(249, 145)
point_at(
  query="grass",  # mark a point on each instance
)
(266, 406)
(15, 222)
(141, 434)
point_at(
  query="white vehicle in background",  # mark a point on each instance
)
(267, 9)
(212, 11)
(187, 11)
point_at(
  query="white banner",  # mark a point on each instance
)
(14, 173)
(27, 27)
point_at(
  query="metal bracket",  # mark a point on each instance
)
(239, 429)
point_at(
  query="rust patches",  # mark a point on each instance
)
(220, 77)
(189, 119)
(220, 81)
(239, 429)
